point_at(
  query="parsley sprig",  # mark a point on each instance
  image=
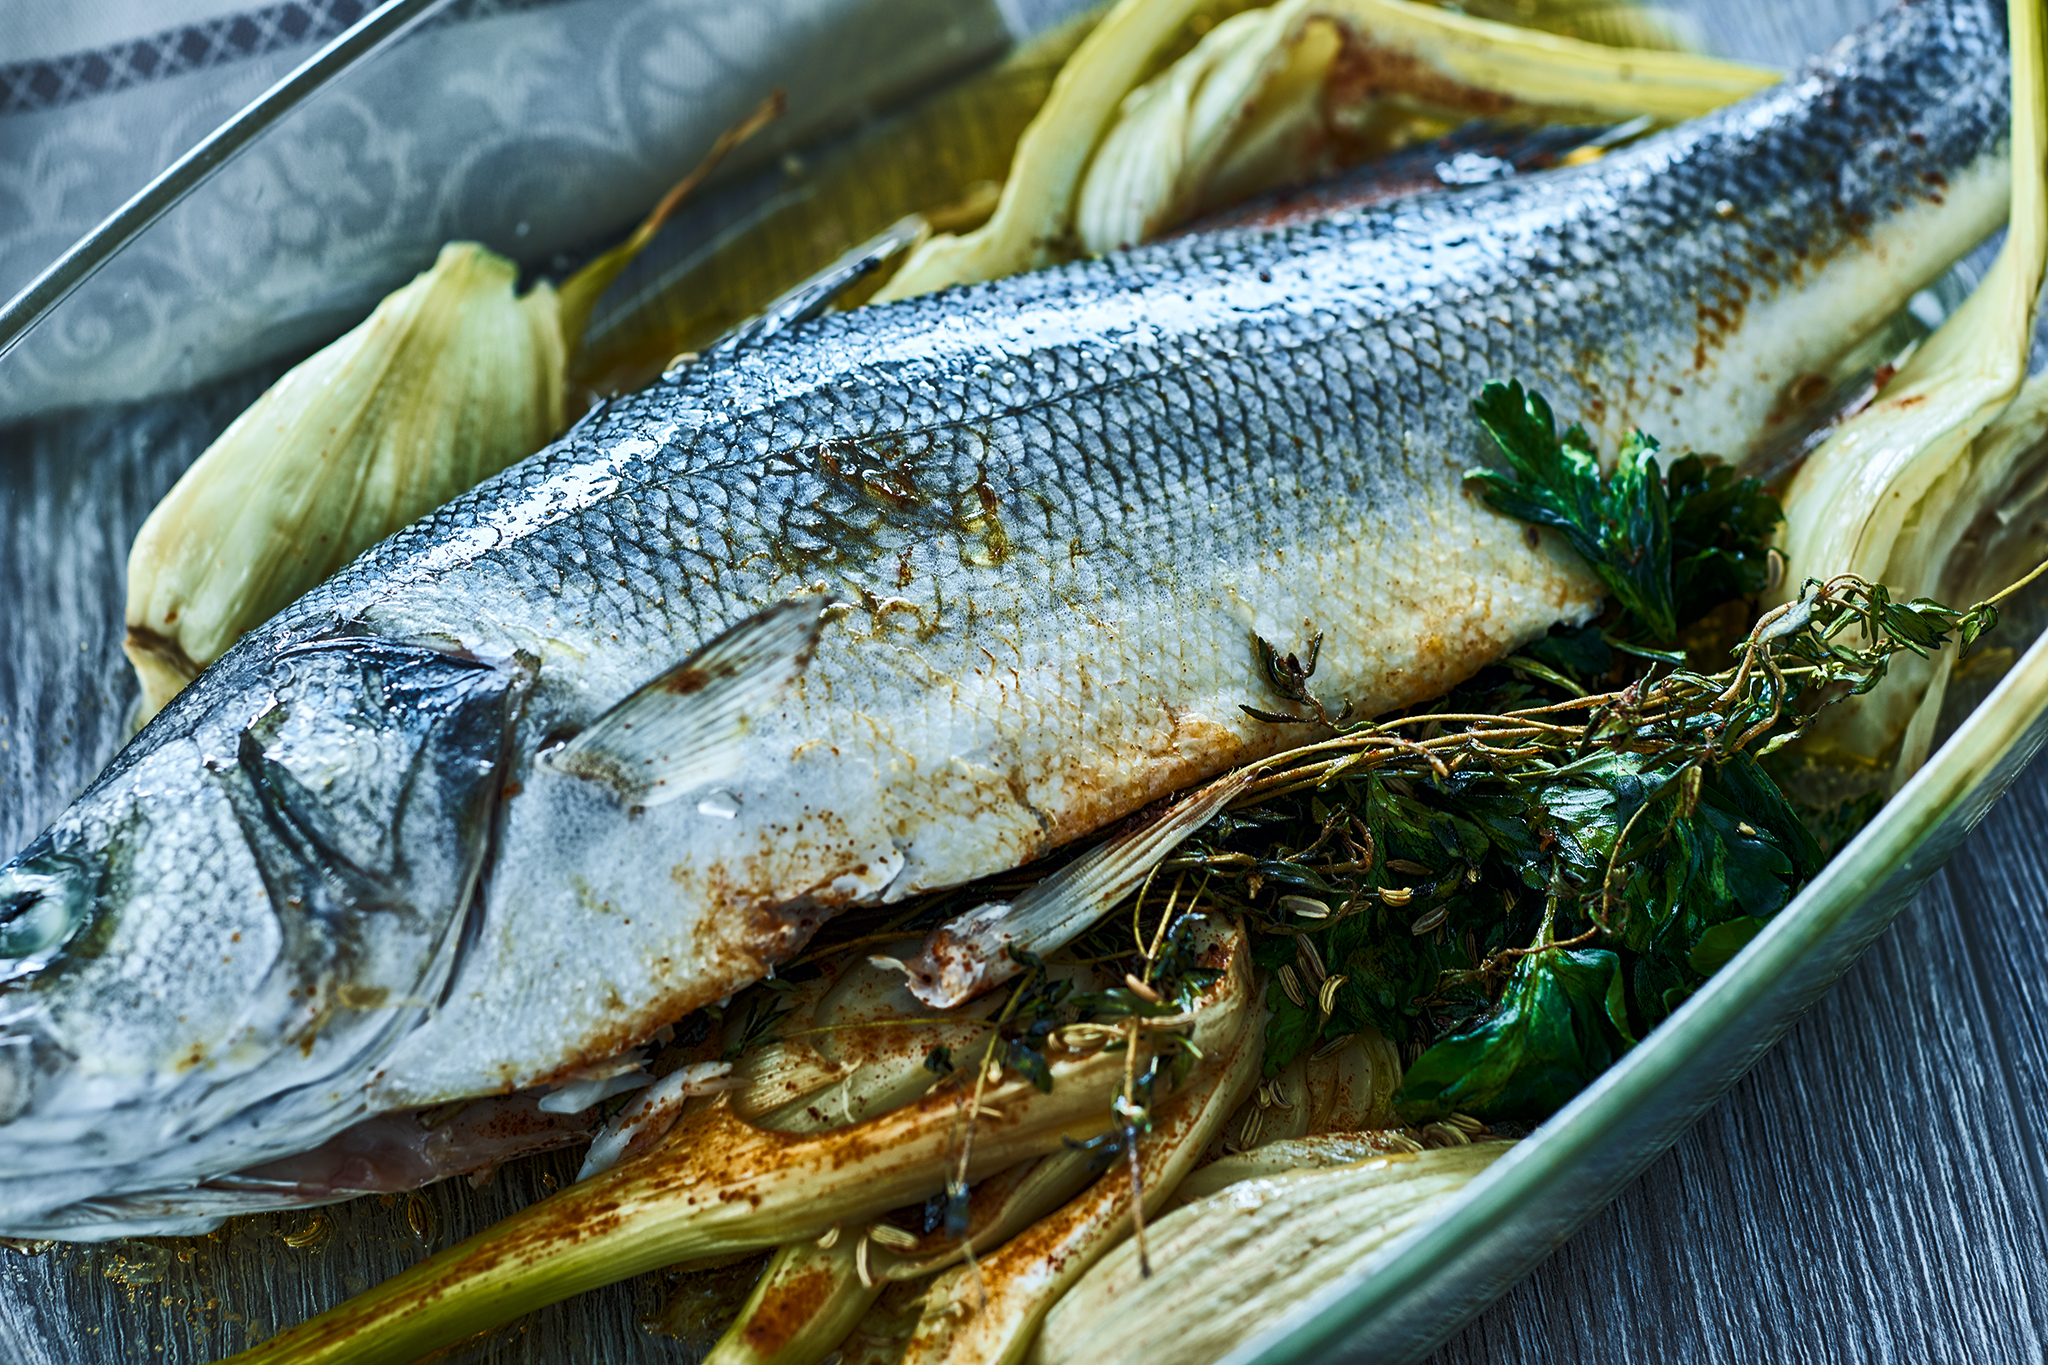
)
(1670, 546)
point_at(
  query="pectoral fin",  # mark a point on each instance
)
(683, 730)
(972, 952)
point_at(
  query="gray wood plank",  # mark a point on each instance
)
(73, 492)
(2001, 882)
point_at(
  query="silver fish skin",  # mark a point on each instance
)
(334, 878)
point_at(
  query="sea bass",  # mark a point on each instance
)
(893, 600)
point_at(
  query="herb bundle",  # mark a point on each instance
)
(1517, 882)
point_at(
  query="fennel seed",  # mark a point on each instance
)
(893, 1237)
(1291, 986)
(1431, 920)
(1333, 1046)
(420, 1219)
(314, 1233)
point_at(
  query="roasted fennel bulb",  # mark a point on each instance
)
(450, 379)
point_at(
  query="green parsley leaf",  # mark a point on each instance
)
(1722, 942)
(1669, 547)
(1619, 524)
(1721, 529)
(1561, 1023)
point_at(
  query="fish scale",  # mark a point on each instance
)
(1050, 513)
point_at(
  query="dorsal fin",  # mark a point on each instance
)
(683, 730)
(811, 298)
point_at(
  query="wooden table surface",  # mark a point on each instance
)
(1873, 1191)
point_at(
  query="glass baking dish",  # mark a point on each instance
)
(542, 129)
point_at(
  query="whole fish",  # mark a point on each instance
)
(896, 599)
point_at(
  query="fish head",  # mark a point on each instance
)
(204, 961)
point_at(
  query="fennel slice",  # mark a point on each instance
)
(450, 379)
(1257, 104)
(1161, 144)
(1616, 23)
(1237, 1260)
(1051, 155)
(1283, 1156)
(1886, 496)
(989, 1313)
(717, 1185)
(808, 1300)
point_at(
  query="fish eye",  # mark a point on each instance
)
(38, 912)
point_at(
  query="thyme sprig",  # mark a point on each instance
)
(1794, 650)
